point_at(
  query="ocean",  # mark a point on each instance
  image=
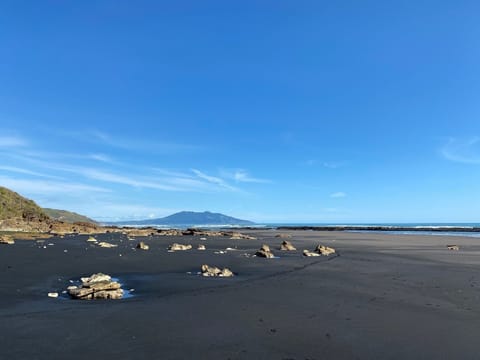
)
(437, 229)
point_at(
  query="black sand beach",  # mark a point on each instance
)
(384, 297)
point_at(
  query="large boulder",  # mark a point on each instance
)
(179, 247)
(213, 271)
(97, 286)
(287, 246)
(265, 252)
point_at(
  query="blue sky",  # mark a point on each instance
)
(274, 111)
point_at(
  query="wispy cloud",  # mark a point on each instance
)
(339, 194)
(47, 187)
(13, 169)
(12, 141)
(95, 174)
(135, 144)
(214, 180)
(462, 150)
(333, 164)
(327, 164)
(242, 176)
(101, 157)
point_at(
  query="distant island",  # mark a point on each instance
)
(189, 218)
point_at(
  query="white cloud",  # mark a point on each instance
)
(339, 194)
(463, 151)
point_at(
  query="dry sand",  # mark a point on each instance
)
(384, 297)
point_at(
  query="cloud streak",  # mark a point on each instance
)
(463, 151)
(214, 180)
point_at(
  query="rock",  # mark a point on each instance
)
(141, 245)
(310, 253)
(284, 236)
(325, 250)
(201, 247)
(213, 271)
(104, 244)
(265, 252)
(97, 286)
(91, 239)
(98, 277)
(53, 294)
(179, 247)
(239, 236)
(453, 247)
(287, 246)
(6, 239)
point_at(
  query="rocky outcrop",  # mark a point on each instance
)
(319, 251)
(97, 286)
(6, 239)
(287, 246)
(213, 271)
(239, 236)
(179, 247)
(265, 252)
(142, 246)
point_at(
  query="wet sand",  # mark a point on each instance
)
(384, 297)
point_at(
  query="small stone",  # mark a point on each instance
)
(310, 253)
(141, 245)
(213, 271)
(265, 252)
(179, 247)
(201, 247)
(91, 239)
(325, 250)
(453, 247)
(105, 244)
(53, 294)
(287, 246)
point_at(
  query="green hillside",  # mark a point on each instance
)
(67, 216)
(13, 205)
